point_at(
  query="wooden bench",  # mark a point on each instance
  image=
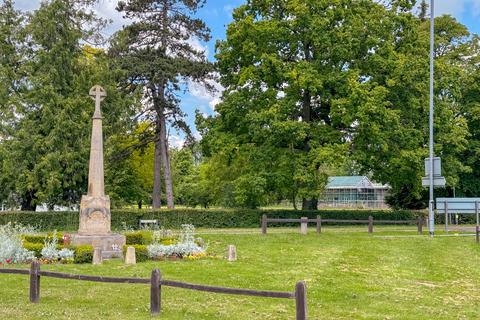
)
(145, 223)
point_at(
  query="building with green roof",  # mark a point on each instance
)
(354, 192)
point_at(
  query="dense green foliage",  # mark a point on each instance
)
(313, 88)
(44, 152)
(212, 218)
(310, 85)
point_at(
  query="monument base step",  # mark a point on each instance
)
(110, 244)
(112, 254)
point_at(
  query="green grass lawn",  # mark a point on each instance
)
(392, 274)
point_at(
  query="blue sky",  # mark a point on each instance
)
(218, 14)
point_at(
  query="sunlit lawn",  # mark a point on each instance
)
(392, 274)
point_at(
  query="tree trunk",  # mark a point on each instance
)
(157, 162)
(27, 202)
(139, 204)
(166, 161)
(309, 204)
(159, 104)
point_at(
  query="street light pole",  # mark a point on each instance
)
(431, 217)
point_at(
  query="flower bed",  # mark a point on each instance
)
(186, 246)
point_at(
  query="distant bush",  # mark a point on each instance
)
(83, 254)
(201, 218)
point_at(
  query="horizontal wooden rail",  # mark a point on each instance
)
(15, 271)
(156, 283)
(318, 221)
(93, 278)
(345, 221)
(247, 292)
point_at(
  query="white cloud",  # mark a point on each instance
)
(200, 92)
(175, 141)
(106, 9)
(197, 136)
(198, 46)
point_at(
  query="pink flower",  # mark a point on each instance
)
(8, 261)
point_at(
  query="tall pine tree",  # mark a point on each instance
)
(156, 54)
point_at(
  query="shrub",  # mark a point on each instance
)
(11, 244)
(36, 248)
(186, 246)
(51, 252)
(179, 250)
(141, 252)
(139, 237)
(65, 254)
(202, 218)
(83, 254)
(40, 238)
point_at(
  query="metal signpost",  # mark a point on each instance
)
(448, 206)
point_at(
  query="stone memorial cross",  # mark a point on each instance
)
(95, 173)
(95, 217)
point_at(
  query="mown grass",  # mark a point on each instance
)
(392, 274)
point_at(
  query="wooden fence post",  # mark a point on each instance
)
(477, 234)
(301, 300)
(420, 225)
(155, 292)
(370, 224)
(264, 224)
(319, 224)
(35, 282)
(446, 217)
(303, 225)
(477, 227)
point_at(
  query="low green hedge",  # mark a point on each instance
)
(141, 252)
(83, 254)
(201, 218)
(138, 237)
(35, 247)
(38, 238)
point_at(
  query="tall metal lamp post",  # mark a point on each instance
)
(431, 216)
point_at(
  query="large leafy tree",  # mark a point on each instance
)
(309, 83)
(156, 55)
(469, 184)
(284, 65)
(45, 158)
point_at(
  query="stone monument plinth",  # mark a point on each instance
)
(94, 227)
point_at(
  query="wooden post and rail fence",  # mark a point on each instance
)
(318, 221)
(156, 282)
